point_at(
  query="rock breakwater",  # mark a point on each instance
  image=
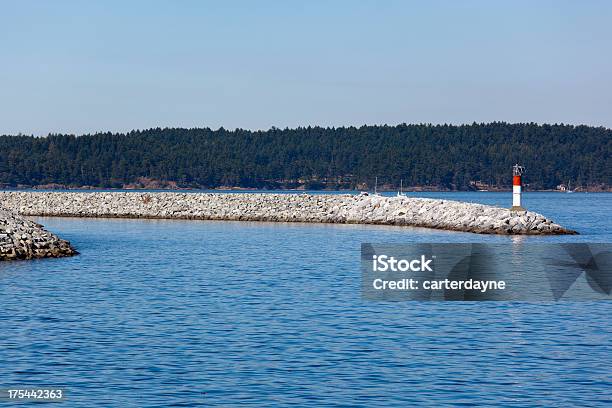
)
(314, 208)
(24, 239)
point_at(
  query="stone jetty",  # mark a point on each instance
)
(25, 239)
(313, 208)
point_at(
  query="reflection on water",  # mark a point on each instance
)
(156, 313)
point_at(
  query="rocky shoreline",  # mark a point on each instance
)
(25, 239)
(312, 208)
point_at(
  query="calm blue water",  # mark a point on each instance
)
(187, 313)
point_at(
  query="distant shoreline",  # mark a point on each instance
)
(422, 157)
(426, 189)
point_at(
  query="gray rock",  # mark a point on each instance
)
(330, 208)
(25, 239)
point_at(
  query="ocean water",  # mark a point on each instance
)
(157, 313)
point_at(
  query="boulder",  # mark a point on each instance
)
(24, 239)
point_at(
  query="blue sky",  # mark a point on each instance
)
(80, 67)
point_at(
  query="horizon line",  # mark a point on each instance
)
(273, 127)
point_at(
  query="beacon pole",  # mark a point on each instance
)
(517, 172)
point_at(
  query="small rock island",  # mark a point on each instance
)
(25, 239)
(311, 208)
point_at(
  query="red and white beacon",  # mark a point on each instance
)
(517, 172)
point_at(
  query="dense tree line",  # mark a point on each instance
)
(445, 156)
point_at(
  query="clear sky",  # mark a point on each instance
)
(85, 66)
